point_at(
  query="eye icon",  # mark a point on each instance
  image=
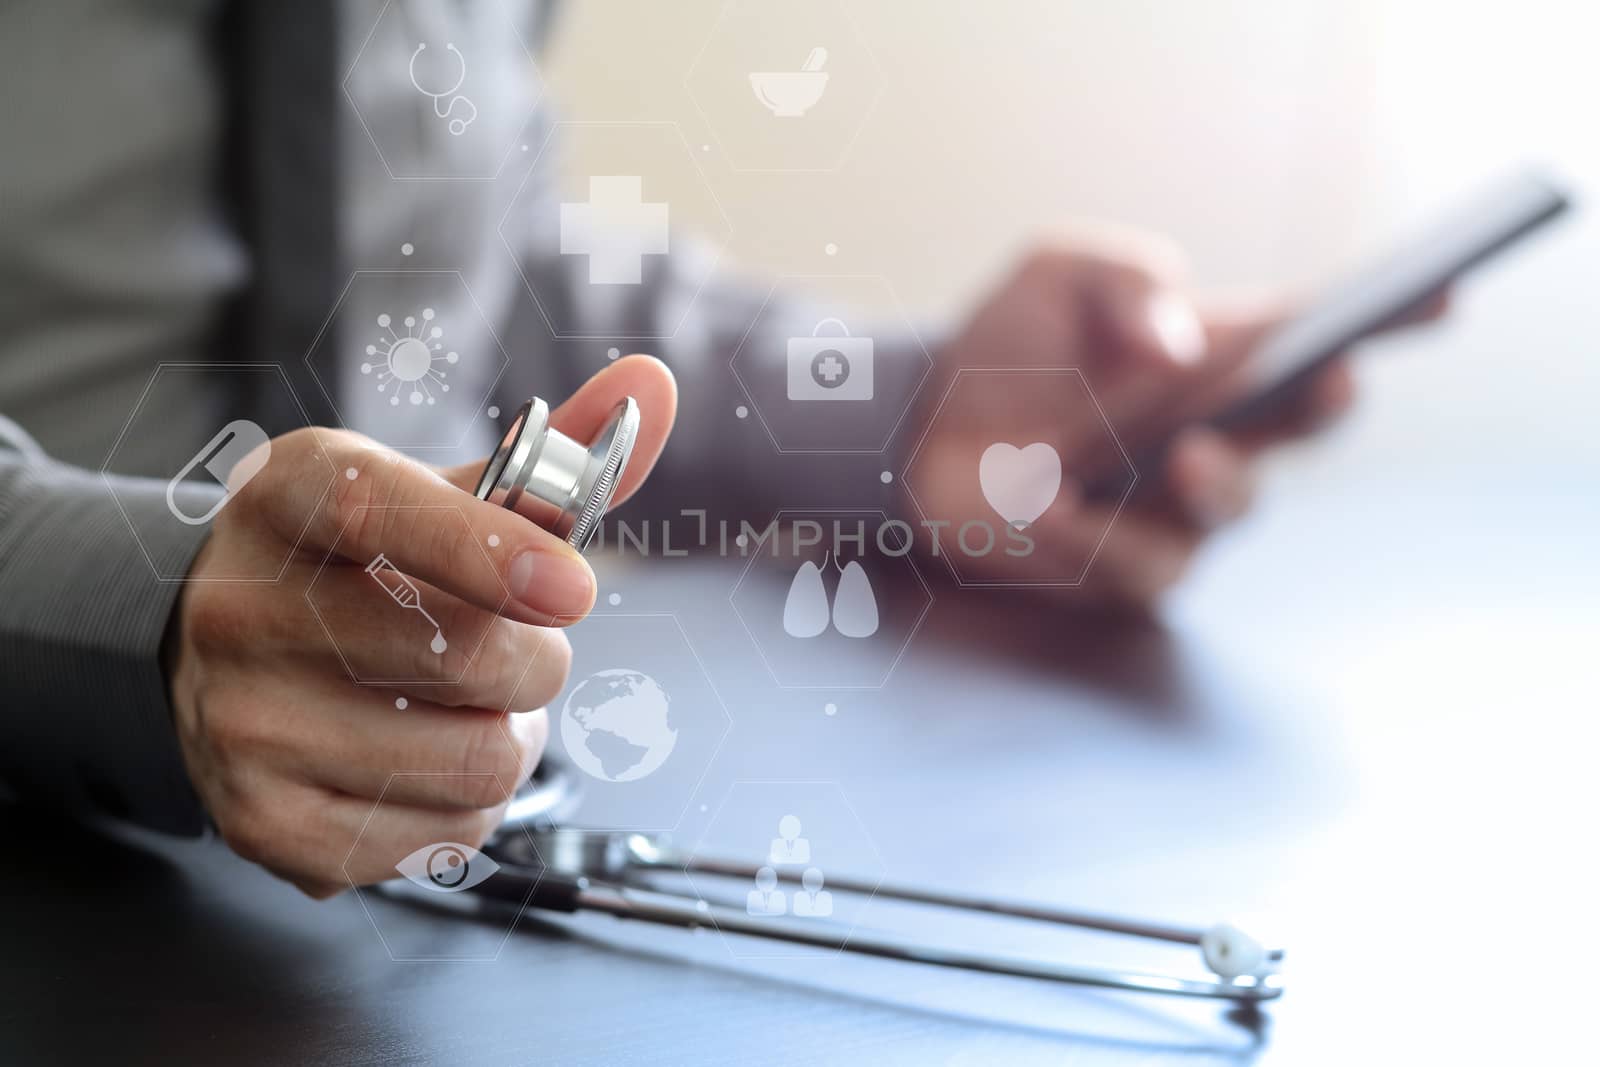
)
(447, 867)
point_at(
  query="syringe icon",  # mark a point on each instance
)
(403, 591)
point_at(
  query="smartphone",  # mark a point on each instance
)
(1492, 220)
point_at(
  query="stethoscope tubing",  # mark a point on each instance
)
(595, 871)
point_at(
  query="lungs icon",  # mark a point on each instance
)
(806, 610)
(855, 608)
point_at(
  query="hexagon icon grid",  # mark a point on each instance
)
(640, 718)
(820, 624)
(800, 832)
(1012, 477)
(423, 352)
(411, 942)
(785, 87)
(435, 639)
(608, 227)
(173, 433)
(821, 377)
(457, 91)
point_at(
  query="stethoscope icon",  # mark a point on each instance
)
(457, 126)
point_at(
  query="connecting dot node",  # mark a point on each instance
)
(831, 249)
(494, 540)
(493, 412)
(742, 412)
(613, 353)
(407, 248)
(350, 473)
(401, 703)
(614, 599)
(830, 709)
(886, 477)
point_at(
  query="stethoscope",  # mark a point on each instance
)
(457, 126)
(537, 863)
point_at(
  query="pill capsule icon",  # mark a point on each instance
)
(234, 456)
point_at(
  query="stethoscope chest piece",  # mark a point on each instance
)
(560, 484)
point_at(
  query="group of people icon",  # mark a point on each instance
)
(789, 849)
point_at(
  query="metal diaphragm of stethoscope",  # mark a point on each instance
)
(566, 487)
(543, 474)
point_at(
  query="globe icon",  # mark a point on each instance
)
(617, 725)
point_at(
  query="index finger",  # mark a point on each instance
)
(383, 503)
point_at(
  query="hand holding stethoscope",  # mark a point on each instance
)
(445, 102)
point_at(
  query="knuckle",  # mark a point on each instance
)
(491, 765)
(247, 830)
(214, 621)
(549, 663)
(475, 827)
(511, 654)
(449, 538)
(528, 734)
(485, 670)
(370, 506)
(459, 666)
(235, 729)
(347, 509)
(282, 475)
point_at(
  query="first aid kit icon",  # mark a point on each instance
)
(830, 367)
(236, 454)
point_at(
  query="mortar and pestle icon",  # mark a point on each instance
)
(789, 94)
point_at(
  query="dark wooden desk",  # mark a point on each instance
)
(1370, 718)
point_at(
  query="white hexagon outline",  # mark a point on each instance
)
(361, 897)
(905, 320)
(106, 474)
(716, 247)
(1116, 512)
(334, 641)
(904, 645)
(333, 314)
(849, 145)
(866, 836)
(532, 109)
(727, 717)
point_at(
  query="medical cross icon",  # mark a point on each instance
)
(615, 229)
(829, 370)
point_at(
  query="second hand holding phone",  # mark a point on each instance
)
(1368, 302)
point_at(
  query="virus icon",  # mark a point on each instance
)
(407, 359)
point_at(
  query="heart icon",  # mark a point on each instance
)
(1020, 483)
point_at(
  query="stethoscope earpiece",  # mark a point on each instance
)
(1232, 953)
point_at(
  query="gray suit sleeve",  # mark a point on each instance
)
(85, 722)
(716, 462)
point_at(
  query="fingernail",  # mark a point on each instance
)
(1175, 325)
(556, 583)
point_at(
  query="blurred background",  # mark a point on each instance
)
(1444, 534)
(1277, 140)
